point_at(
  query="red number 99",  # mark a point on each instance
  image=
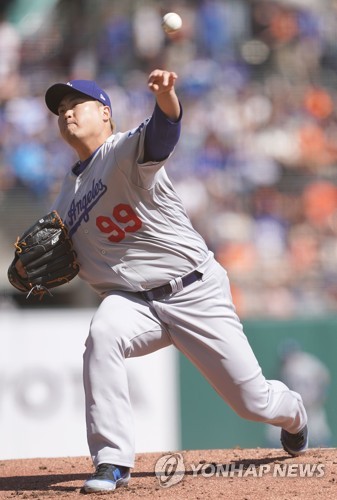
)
(123, 214)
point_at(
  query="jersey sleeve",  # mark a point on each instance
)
(161, 135)
(141, 163)
(129, 147)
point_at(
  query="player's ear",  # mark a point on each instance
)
(106, 113)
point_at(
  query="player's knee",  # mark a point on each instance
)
(108, 335)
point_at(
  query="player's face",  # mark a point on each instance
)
(81, 118)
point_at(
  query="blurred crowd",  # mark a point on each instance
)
(256, 164)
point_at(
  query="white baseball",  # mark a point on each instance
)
(171, 22)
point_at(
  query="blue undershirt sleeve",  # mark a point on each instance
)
(161, 135)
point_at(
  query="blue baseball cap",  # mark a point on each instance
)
(89, 88)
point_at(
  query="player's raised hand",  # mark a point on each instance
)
(161, 83)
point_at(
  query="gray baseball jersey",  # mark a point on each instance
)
(127, 223)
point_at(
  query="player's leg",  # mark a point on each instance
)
(205, 327)
(123, 326)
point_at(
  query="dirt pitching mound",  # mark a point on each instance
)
(244, 474)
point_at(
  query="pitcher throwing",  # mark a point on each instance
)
(159, 283)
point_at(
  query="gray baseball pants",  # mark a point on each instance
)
(201, 322)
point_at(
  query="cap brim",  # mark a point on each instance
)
(56, 93)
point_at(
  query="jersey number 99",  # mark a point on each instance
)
(128, 222)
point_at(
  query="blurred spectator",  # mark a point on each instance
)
(256, 164)
(10, 52)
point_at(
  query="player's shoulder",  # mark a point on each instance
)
(119, 136)
(115, 142)
(138, 130)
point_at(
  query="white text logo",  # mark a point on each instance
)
(170, 470)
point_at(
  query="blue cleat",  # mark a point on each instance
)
(107, 477)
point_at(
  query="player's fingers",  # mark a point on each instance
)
(165, 78)
(162, 75)
(153, 83)
(154, 75)
(153, 86)
(156, 83)
(161, 80)
(168, 78)
(173, 75)
(172, 79)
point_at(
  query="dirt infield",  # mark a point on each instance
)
(240, 474)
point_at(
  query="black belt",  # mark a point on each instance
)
(160, 292)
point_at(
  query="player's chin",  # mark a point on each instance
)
(70, 133)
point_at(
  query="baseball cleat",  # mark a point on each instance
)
(107, 477)
(295, 444)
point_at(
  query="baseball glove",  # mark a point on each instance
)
(47, 258)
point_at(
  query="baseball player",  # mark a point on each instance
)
(159, 283)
